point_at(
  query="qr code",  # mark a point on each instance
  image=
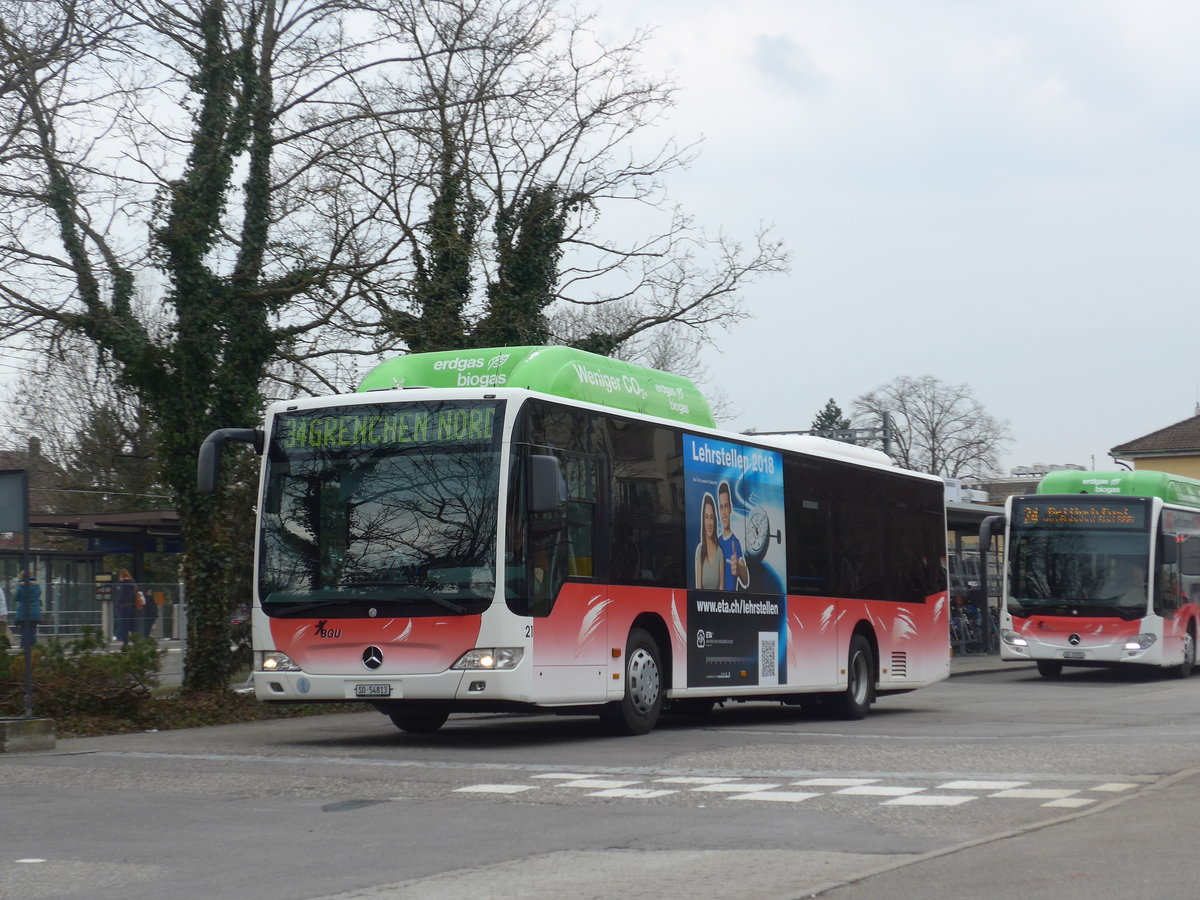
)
(768, 646)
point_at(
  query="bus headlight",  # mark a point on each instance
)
(272, 661)
(1013, 639)
(490, 658)
(1141, 642)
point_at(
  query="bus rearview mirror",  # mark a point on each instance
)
(545, 484)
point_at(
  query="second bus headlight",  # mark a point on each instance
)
(490, 658)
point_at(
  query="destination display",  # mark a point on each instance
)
(1062, 512)
(379, 427)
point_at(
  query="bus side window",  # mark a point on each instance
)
(647, 496)
(580, 472)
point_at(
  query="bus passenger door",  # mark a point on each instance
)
(570, 631)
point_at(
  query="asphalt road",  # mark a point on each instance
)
(996, 784)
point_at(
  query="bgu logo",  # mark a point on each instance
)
(323, 632)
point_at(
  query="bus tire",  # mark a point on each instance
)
(854, 702)
(420, 721)
(638, 711)
(1184, 669)
(1049, 668)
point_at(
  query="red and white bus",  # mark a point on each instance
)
(1102, 569)
(541, 528)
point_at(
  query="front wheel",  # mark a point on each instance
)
(420, 721)
(854, 702)
(1048, 668)
(638, 711)
(1184, 669)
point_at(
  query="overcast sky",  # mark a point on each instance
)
(1002, 194)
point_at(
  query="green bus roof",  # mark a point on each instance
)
(561, 371)
(1170, 488)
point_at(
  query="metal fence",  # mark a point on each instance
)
(69, 608)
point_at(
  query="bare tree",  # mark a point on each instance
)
(936, 427)
(525, 147)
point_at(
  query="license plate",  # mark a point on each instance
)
(372, 690)
(1074, 654)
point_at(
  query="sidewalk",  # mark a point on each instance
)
(974, 663)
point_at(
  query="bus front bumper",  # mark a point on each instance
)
(1142, 648)
(450, 686)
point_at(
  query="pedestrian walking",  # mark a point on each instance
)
(149, 613)
(125, 607)
(28, 599)
(4, 641)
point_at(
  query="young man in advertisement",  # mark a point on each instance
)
(737, 575)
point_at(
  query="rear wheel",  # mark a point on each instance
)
(854, 702)
(1184, 669)
(1048, 668)
(638, 711)
(420, 721)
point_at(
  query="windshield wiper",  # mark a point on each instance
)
(422, 593)
(304, 607)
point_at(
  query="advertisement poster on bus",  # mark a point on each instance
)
(736, 552)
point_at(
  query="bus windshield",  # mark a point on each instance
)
(1079, 557)
(381, 510)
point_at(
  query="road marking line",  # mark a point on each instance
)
(730, 788)
(928, 800)
(981, 785)
(598, 783)
(879, 790)
(777, 796)
(1035, 794)
(692, 779)
(568, 776)
(631, 793)
(496, 788)
(1113, 786)
(835, 782)
(1070, 802)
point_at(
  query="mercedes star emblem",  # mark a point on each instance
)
(372, 657)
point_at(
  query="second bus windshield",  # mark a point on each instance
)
(1079, 556)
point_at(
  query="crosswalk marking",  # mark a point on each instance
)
(599, 783)
(632, 793)
(879, 790)
(1070, 802)
(981, 785)
(1034, 793)
(930, 800)
(777, 796)
(945, 794)
(835, 782)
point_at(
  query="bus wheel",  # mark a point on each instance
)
(854, 702)
(1048, 668)
(420, 721)
(1184, 669)
(637, 712)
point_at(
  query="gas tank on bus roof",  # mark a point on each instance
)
(1141, 483)
(560, 371)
